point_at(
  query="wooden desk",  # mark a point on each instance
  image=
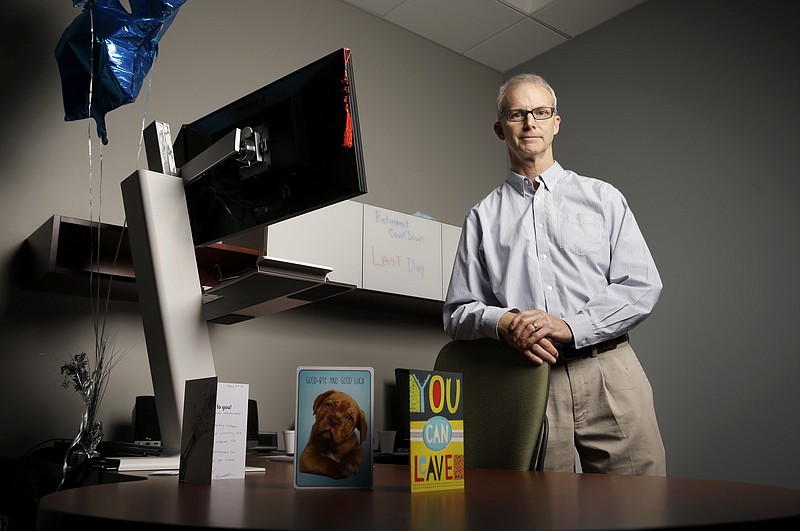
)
(492, 499)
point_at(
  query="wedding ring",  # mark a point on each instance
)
(535, 327)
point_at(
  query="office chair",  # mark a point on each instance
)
(505, 403)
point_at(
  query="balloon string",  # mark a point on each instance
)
(99, 324)
(91, 165)
(94, 273)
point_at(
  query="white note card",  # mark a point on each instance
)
(230, 431)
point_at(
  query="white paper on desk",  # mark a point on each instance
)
(230, 431)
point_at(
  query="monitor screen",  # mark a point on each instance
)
(308, 124)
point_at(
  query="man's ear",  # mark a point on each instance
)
(498, 130)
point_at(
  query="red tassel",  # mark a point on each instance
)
(348, 130)
(348, 124)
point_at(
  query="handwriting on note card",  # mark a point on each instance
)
(230, 431)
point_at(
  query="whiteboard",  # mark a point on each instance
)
(402, 254)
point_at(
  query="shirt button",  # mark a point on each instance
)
(540, 225)
(584, 342)
(549, 288)
(544, 257)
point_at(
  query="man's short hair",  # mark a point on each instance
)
(522, 79)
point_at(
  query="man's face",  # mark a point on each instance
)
(530, 140)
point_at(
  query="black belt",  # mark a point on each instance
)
(569, 352)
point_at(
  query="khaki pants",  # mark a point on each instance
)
(602, 406)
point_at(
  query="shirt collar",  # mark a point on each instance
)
(548, 177)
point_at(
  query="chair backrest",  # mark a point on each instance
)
(505, 403)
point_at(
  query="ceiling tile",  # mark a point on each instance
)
(576, 16)
(501, 34)
(451, 24)
(515, 45)
(527, 6)
(376, 7)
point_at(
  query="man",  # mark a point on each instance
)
(555, 264)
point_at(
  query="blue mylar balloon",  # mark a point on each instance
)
(110, 50)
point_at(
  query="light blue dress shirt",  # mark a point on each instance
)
(571, 247)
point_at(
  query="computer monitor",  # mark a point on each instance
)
(400, 409)
(307, 152)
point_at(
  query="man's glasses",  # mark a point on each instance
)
(519, 115)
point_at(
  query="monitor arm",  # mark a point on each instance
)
(247, 145)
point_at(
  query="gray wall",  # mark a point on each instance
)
(691, 108)
(711, 189)
(214, 53)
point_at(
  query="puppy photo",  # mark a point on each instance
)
(334, 446)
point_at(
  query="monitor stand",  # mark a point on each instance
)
(170, 302)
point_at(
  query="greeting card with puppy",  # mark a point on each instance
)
(333, 423)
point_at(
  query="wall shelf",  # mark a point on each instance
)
(60, 256)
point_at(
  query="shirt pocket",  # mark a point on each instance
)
(580, 233)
